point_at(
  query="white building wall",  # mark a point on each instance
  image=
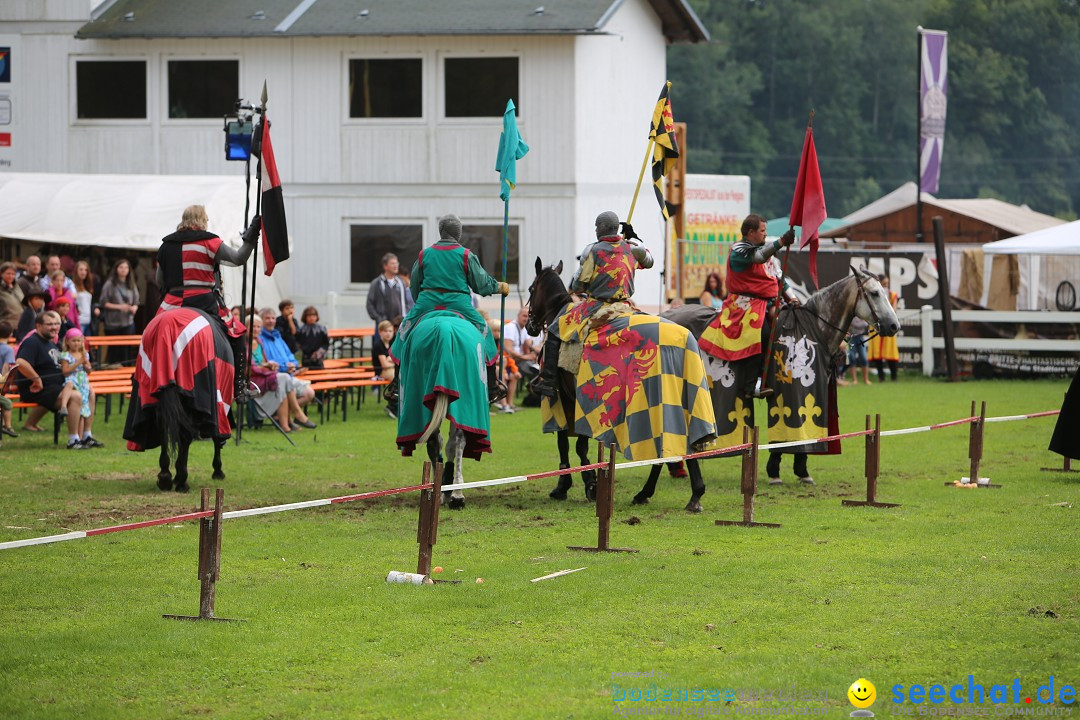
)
(618, 79)
(585, 105)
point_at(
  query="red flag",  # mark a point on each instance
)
(275, 234)
(808, 205)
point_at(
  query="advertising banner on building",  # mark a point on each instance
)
(715, 206)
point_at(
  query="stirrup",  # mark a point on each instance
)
(496, 392)
(390, 392)
(542, 386)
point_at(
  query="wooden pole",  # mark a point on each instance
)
(749, 482)
(428, 521)
(872, 465)
(605, 505)
(209, 558)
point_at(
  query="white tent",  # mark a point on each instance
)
(130, 212)
(1048, 258)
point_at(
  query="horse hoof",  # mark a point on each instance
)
(590, 492)
(565, 482)
(182, 488)
(557, 494)
(457, 503)
(694, 507)
(164, 482)
(640, 500)
(218, 475)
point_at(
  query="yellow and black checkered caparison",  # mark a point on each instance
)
(641, 385)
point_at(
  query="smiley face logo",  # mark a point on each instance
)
(862, 693)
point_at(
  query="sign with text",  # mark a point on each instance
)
(714, 206)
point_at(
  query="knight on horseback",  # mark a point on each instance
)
(443, 278)
(189, 269)
(741, 328)
(606, 277)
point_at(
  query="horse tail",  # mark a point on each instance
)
(438, 414)
(172, 420)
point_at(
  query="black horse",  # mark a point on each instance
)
(547, 298)
(182, 390)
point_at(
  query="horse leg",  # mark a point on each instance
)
(164, 477)
(180, 483)
(218, 473)
(457, 498)
(642, 498)
(587, 476)
(565, 480)
(697, 486)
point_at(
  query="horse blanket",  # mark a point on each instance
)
(641, 385)
(444, 353)
(803, 403)
(187, 349)
(1066, 438)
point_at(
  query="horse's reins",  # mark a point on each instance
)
(861, 290)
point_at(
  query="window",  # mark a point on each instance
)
(486, 241)
(110, 89)
(386, 88)
(480, 87)
(203, 88)
(368, 244)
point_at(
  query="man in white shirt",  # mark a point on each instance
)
(521, 346)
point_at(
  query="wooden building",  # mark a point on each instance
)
(386, 114)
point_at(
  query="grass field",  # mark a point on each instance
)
(953, 583)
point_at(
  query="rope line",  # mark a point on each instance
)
(252, 512)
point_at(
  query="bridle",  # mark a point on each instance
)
(860, 293)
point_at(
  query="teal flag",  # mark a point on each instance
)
(511, 149)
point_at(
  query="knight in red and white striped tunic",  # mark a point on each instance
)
(188, 263)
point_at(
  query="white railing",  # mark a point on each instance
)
(925, 342)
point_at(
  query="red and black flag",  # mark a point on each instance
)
(275, 234)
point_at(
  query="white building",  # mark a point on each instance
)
(386, 114)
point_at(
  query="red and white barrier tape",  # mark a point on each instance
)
(251, 512)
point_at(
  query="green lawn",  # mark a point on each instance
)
(952, 583)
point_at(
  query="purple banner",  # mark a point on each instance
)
(932, 72)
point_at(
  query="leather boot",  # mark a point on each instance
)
(546, 382)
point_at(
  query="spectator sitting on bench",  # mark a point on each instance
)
(75, 364)
(275, 349)
(313, 339)
(7, 360)
(42, 380)
(34, 302)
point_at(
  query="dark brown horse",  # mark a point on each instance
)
(181, 391)
(548, 296)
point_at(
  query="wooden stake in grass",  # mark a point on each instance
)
(873, 467)
(427, 527)
(749, 482)
(605, 505)
(209, 559)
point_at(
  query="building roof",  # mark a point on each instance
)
(1015, 219)
(116, 19)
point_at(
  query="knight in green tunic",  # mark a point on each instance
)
(442, 279)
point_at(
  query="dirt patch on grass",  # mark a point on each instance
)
(120, 477)
(82, 518)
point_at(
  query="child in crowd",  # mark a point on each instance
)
(75, 364)
(7, 359)
(57, 289)
(511, 373)
(312, 338)
(381, 362)
(34, 300)
(286, 324)
(62, 305)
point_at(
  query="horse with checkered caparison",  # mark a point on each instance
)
(640, 383)
(181, 391)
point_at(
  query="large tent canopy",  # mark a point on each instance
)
(125, 212)
(1048, 259)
